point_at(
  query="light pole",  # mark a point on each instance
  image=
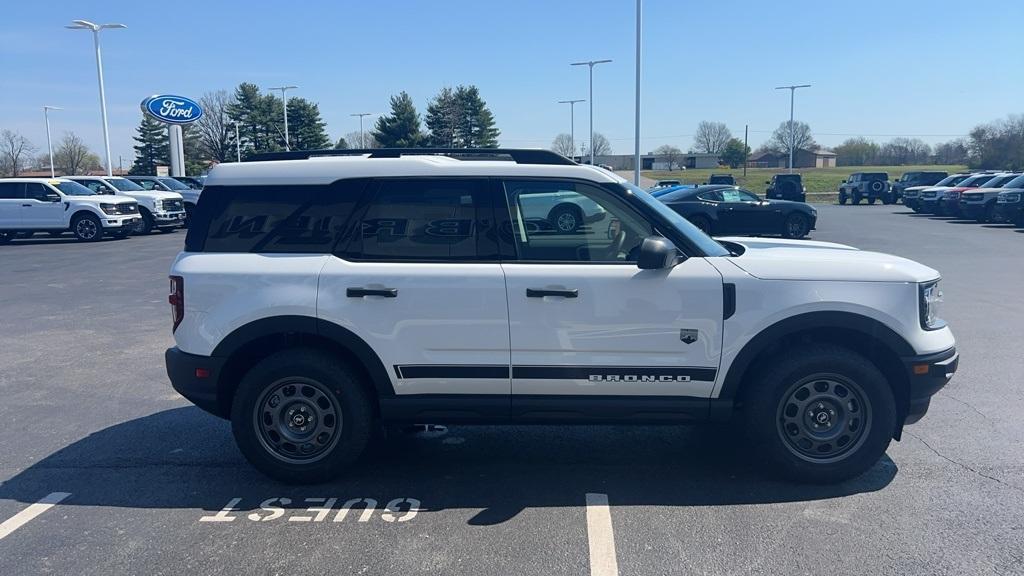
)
(284, 97)
(792, 133)
(590, 64)
(49, 147)
(572, 121)
(362, 139)
(95, 28)
(636, 143)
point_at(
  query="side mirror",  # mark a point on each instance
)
(767, 181)
(52, 197)
(656, 253)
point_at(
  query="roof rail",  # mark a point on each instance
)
(518, 155)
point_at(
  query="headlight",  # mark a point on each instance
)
(1009, 198)
(110, 208)
(930, 299)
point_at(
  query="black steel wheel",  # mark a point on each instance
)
(297, 420)
(823, 416)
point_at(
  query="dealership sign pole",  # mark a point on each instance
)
(175, 111)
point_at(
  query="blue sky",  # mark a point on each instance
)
(931, 69)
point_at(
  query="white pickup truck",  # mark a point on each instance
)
(158, 209)
(56, 205)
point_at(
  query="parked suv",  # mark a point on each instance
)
(158, 209)
(56, 205)
(912, 194)
(980, 203)
(865, 185)
(786, 187)
(727, 179)
(911, 179)
(1010, 207)
(945, 201)
(408, 286)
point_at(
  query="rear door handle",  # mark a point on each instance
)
(542, 292)
(26, 205)
(360, 292)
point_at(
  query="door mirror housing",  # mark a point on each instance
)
(52, 197)
(657, 253)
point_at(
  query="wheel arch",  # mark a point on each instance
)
(251, 342)
(877, 342)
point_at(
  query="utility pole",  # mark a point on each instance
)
(362, 139)
(746, 128)
(792, 132)
(590, 64)
(49, 147)
(636, 128)
(284, 97)
(572, 122)
(238, 143)
(95, 28)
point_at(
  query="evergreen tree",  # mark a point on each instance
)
(341, 144)
(401, 128)
(306, 129)
(151, 149)
(243, 111)
(195, 157)
(476, 123)
(442, 119)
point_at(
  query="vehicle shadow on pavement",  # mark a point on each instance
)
(186, 459)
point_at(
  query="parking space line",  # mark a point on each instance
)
(26, 515)
(600, 536)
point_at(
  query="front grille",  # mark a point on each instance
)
(929, 195)
(132, 208)
(973, 198)
(173, 205)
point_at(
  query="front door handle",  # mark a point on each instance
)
(361, 292)
(26, 205)
(542, 292)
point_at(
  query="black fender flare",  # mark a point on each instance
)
(310, 326)
(869, 327)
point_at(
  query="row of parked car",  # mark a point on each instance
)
(983, 196)
(91, 207)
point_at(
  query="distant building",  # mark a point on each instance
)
(801, 159)
(688, 161)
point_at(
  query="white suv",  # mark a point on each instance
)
(158, 209)
(320, 295)
(56, 205)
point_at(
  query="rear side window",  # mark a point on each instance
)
(273, 219)
(12, 190)
(425, 219)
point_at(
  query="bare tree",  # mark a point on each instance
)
(216, 132)
(361, 141)
(563, 145)
(801, 135)
(601, 145)
(671, 153)
(72, 156)
(15, 152)
(711, 137)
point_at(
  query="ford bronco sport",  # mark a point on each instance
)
(321, 294)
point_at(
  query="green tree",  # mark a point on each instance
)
(401, 128)
(306, 130)
(476, 122)
(196, 158)
(151, 149)
(856, 151)
(442, 119)
(260, 119)
(341, 144)
(734, 153)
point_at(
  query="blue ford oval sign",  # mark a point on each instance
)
(172, 109)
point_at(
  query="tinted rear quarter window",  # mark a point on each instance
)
(12, 190)
(273, 219)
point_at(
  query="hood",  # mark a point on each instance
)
(100, 199)
(151, 194)
(778, 259)
(918, 188)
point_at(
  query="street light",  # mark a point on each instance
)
(792, 133)
(95, 28)
(49, 147)
(238, 141)
(572, 122)
(590, 64)
(636, 128)
(284, 97)
(362, 139)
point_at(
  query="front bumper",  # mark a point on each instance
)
(927, 375)
(163, 219)
(910, 202)
(973, 211)
(1009, 212)
(951, 206)
(928, 205)
(195, 377)
(115, 223)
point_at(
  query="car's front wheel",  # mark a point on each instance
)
(796, 226)
(87, 228)
(825, 414)
(301, 416)
(144, 225)
(565, 218)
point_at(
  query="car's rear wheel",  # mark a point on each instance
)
(87, 228)
(825, 414)
(856, 197)
(842, 198)
(988, 214)
(301, 416)
(701, 222)
(565, 218)
(796, 226)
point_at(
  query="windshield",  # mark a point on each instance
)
(976, 181)
(173, 184)
(702, 240)
(74, 189)
(951, 180)
(124, 185)
(999, 181)
(1017, 182)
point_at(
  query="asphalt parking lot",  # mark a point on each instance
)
(148, 484)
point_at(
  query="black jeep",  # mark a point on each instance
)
(786, 187)
(727, 179)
